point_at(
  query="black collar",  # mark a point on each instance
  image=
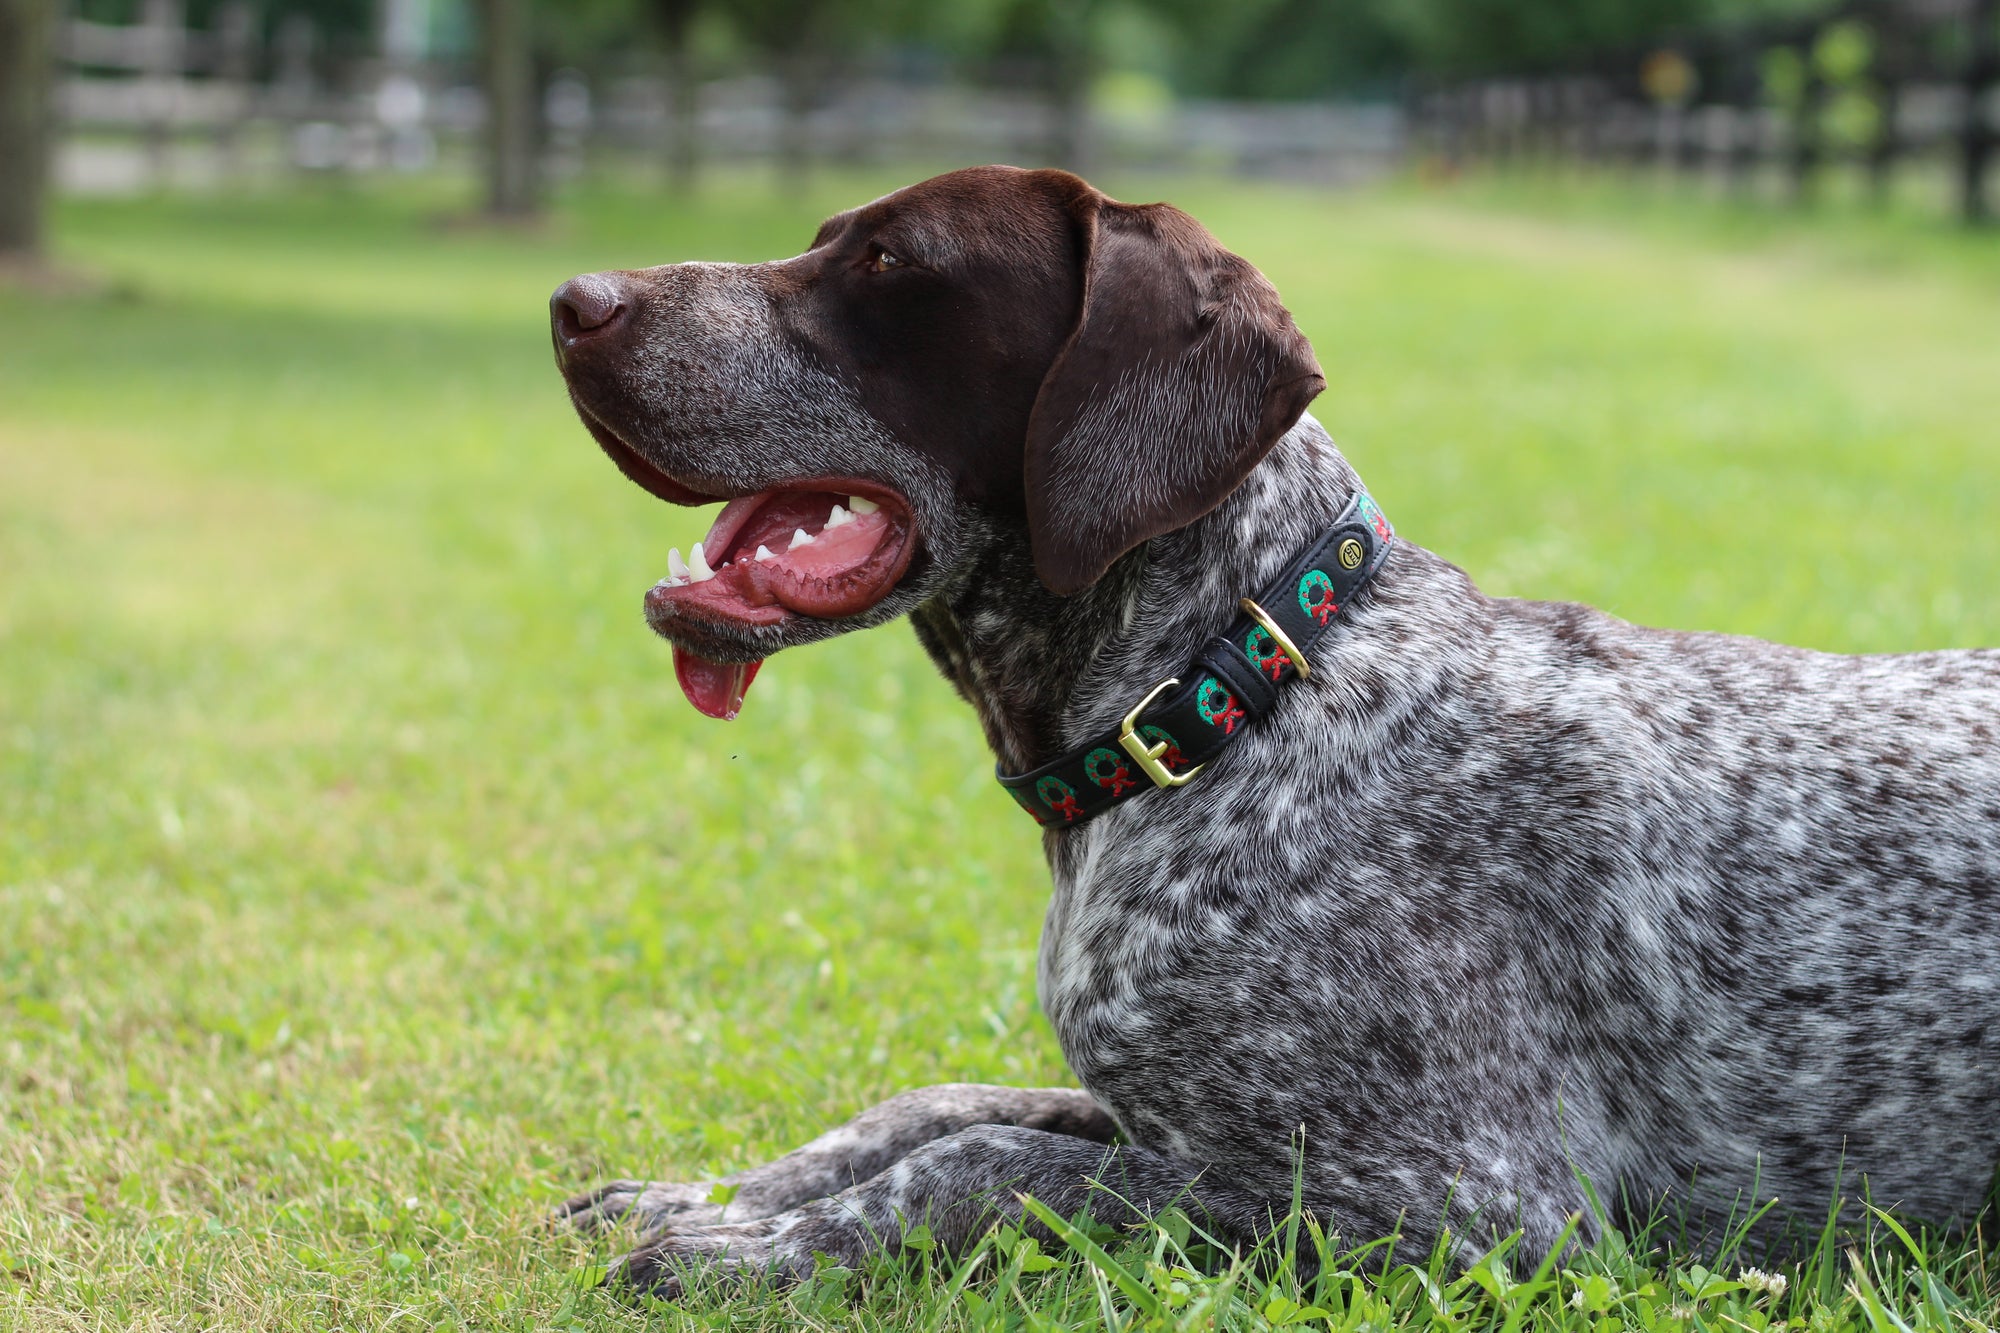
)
(1185, 720)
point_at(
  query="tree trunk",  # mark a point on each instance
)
(1071, 67)
(1746, 129)
(800, 71)
(1886, 146)
(1982, 70)
(507, 66)
(683, 122)
(27, 81)
(165, 23)
(683, 94)
(1807, 148)
(236, 41)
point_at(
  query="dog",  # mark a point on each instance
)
(1509, 919)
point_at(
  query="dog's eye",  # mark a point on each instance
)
(883, 261)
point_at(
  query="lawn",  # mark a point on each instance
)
(366, 886)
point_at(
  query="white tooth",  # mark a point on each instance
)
(799, 539)
(698, 565)
(861, 506)
(676, 567)
(765, 553)
(837, 517)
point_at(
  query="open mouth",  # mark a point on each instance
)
(827, 549)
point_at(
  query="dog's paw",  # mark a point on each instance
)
(714, 1258)
(647, 1204)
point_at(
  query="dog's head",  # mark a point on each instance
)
(998, 344)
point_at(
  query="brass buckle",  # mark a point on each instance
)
(1279, 637)
(1147, 757)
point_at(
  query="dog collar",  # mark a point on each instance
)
(1185, 720)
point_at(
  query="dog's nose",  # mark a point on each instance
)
(587, 307)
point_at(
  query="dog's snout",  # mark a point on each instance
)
(587, 307)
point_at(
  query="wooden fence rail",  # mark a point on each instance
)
(1869, 85)
(141, 102)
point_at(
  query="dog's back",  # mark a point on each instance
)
(1799, 858)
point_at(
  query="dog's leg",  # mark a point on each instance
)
(958, 1186)
(860, 1149)
(961, 1185)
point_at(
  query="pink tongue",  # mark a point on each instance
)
(716, 688)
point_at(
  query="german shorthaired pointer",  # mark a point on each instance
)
(1505, 909)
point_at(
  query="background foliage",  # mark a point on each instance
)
(1249, 49)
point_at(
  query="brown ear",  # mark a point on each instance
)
(1183, 371)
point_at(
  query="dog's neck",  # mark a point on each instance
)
(1044, 670)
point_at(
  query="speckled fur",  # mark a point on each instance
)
(1507, 895)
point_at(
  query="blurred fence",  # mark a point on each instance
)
(882, 120)
(157, 103)
(1870, 85)
(1873, 86)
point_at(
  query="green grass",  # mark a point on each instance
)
(366, 886)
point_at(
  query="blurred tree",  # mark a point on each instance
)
(591, 34)
(1362, 42)
(351, 19)
(1480, 36)
(521, 43)
(1844, 56)
(1257, 49)
(27, 69)
(1898, 62)
(805, 44)
(1287, 48)
(795, 36)
(1976, 138)
(513, 116)
(1071, 61)
(1792, 84)
(674, 19)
